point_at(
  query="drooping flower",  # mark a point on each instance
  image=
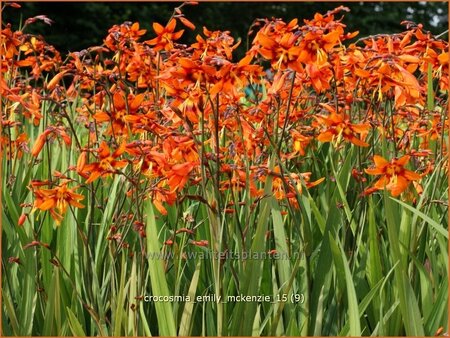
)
(42, 138)
(178, 175)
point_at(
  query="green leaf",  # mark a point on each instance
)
(408, 303)
(119, 315)
(74, 324)
(186, 317)
(440, 229)
(244, 315)
(342, 267)
(166, 322)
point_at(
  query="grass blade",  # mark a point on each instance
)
(74, 324)
(166, 322)
(186, 317)
(409, 308)
(342, 265)
(440, 229)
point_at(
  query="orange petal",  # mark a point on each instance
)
(187, 23)
(443, 58)
(361, 128)
(358, 142)
(81, 161)
(119, 102)
(398, 187)
(332, 37)
(153, 41)
(101, 117)
(177, 35)
(93, 177)
(47, 204)
(245, 61)
(265, 41)
(39, 144)
(135, 26)
(119, 164)
(159, 29)
(326, 136)
(183, 168)
(53, 82)
(134, 105)
(374, 171)
(171, 25)
(380, 161)
(158, 205)
(403, 160)
(381, 183)
(411, 175)
(409, 58)
(76, 204)
(313, 184)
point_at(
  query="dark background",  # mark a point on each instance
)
(80, 25)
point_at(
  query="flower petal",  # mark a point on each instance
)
(379, 161)
(159, 29)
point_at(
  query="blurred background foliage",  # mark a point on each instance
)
(80, 25)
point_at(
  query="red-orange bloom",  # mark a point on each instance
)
(124, 111)
(42, 139)
(178, 175)
(338, 125)
(166, 36)
(394, 176)
(300, 142)
(314, 47)
(277, 42)
(58, 198)
(319, 75)
(107, 164)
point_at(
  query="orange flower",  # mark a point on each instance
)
(11, 43)
(178, 175)
(314, 47)
(338, 125)
(320, 76)
(14, 148)
(124, 112)
(277, 42)
(283, 187)
(300, 142)
(217, 43)
(58, 198)
(394, 176)
(166, 36)
(42, 139)
(107, 165)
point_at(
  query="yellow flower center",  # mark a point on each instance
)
(393, 170)
(105, 164)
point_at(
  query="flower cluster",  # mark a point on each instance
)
(168, 117)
